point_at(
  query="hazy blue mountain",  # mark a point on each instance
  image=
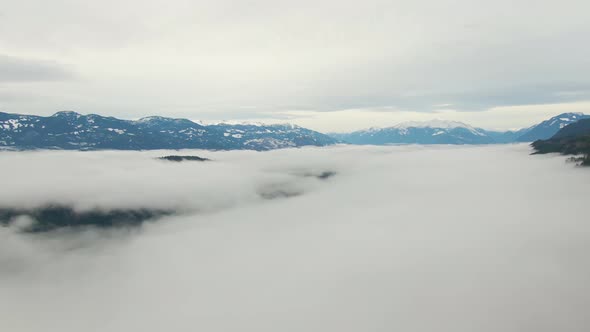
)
(452, 132)
(71, 130)
(504, 136)
(432, 132)
(548, 128)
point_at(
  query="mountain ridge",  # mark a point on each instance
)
(72, 130)
(75, 131)
(455, 132)
(573, 139)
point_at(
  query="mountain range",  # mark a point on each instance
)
(452, 132)
(73, 131)
(431, 132)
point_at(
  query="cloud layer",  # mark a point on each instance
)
(401, 238)
(15, 69)
(222, 59)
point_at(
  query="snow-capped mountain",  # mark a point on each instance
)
(548, 128)
(453, 132)
(431, 132)
(71, 130)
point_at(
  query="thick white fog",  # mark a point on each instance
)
(400, 239)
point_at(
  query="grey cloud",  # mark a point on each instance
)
(478, 100)
(160, 56)
(16, 69)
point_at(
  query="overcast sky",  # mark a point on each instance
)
(329, 65)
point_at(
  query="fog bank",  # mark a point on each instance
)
(406, 238)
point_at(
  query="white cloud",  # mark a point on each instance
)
(496, 118)
(408, 238)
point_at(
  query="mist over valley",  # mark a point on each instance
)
(343, 238)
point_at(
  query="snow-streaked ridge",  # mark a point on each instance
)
(432, 124)
(249, 123)
(232, 123)
(436, 123)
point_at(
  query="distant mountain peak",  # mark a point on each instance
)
(150, 118)
(236, 123)
(435, 123)
(443, 125)
(454, 132)
(569, 113)
(67, 114)
(232, 123)
(153, 118)
(568, 117)
(548, 128)
(419, 132)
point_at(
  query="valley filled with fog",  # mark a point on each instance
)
(339, 238)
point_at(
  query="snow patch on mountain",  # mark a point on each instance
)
(71, 130)
(438, 124)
